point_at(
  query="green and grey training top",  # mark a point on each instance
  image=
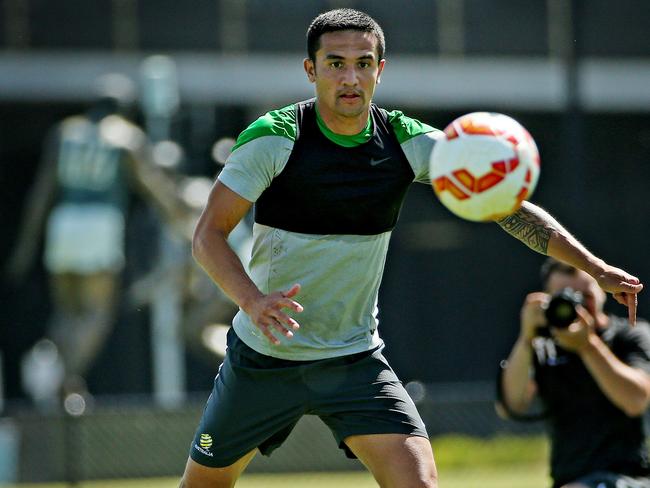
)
(91, 158)
(325, 206)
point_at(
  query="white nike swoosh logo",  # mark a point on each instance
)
(375, 162)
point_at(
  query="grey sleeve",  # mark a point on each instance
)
(250, 168)
(418, 152)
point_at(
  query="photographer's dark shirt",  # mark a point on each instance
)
(588, 432)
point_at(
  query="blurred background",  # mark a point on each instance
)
(193, 74)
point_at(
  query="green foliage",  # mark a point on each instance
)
(471, 452)
(516, 476)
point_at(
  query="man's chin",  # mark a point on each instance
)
(351, 110)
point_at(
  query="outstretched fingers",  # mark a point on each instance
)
(276, 322)
(624, 287)
(272, 318)
(292, 292)
(283, 322)
(266, 330)
(630, 300)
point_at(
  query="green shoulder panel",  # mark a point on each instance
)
(281, 122)
(405, 127)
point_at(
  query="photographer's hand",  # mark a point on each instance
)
(517, 387)
(576, 337)
(532, 315)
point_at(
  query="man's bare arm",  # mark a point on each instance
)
(541, 232)
(39, 203)
(210, 248)
(532, 226)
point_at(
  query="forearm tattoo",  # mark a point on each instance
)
(531, 229)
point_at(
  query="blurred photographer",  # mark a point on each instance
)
(592, 376)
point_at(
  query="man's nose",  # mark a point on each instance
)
(350, 77)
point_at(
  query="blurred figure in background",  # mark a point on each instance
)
(592, 376)
(91, 162)
(206, 311)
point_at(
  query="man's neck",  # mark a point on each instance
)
(346, 126)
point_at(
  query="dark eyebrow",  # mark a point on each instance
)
(337, 57)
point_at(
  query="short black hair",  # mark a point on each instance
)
(343, 19)
(552, 265)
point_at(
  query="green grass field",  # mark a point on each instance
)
(463, 462)
(533, 476)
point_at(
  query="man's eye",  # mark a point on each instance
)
(336, 64)
(364, 64)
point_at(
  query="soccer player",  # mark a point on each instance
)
(91, 162)
(328, 177)
(593, 378)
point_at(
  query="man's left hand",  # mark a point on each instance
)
(622, 285)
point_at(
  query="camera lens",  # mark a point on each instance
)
(561, 311)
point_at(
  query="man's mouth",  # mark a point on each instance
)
(349, 96)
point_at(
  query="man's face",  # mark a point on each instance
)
(593, 296)
(346, 72)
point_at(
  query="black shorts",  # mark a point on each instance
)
(257, 400)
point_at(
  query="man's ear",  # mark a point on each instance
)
(310, 69)
(382, 63)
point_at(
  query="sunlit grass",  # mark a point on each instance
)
(485, 477)
(463, 462)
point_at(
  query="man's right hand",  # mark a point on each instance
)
(532, 314)
(267, 313)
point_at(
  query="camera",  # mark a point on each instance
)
(561, 309)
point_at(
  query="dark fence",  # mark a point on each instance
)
(123, 437)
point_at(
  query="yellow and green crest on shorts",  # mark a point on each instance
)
(205, 441)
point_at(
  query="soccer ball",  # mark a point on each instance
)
(484, 167)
